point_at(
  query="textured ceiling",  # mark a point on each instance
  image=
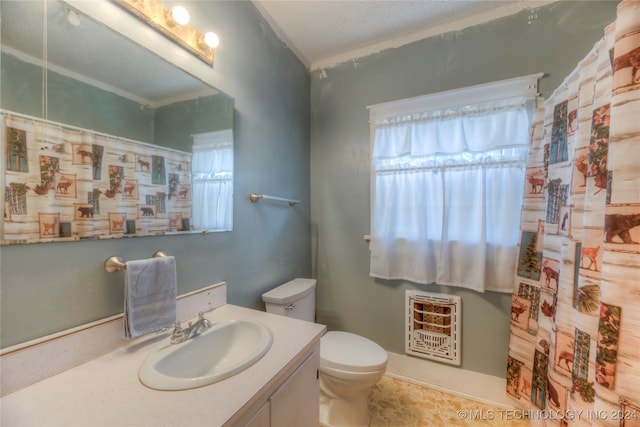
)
(321, 32)
(318, 30)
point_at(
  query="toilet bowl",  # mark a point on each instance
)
(349, 364)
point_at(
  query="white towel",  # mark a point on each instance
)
(150, 287)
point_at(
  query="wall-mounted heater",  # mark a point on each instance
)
(433, 323)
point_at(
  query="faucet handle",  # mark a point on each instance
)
(178, 335)
(166, 328)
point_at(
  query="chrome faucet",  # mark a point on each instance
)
(193, 330)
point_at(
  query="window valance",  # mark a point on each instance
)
(475, 128)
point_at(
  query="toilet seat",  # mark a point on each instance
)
(349, 352)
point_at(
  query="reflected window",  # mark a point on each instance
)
(213, 181)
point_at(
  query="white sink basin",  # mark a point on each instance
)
(228, 347)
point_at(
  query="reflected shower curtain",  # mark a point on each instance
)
(574, 352)
(64, 183)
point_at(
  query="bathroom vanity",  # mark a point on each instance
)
(280, 389)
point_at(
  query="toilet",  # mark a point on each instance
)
(349, 364)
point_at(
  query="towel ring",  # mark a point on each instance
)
(115, 263)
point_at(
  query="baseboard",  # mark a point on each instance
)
(471, 385)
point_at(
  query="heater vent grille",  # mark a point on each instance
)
(433, 326)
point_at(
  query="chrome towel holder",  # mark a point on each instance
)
(115, 263)
(255, 197)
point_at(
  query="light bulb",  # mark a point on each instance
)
(180, 15)
(211, 39)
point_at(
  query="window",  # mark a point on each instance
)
(447, 185)
(213, 181)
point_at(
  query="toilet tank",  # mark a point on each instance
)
(296, 299)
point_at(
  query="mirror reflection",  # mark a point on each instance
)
(103, 138)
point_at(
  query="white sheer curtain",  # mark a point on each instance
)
(213, 181)
(448, 187)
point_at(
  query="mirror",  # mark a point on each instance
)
(102, 137)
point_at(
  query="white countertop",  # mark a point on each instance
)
(106, 391)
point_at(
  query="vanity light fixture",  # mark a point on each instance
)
(174, 24)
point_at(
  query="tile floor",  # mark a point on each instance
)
(397, 403)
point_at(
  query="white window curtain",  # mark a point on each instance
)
(213, 181)
(447, 192)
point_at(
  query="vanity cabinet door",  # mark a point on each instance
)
(297, 402)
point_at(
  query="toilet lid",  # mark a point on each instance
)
(351, 352)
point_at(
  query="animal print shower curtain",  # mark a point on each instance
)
(574, 352)
(65, 184)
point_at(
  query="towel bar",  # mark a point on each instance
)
(115, 263)
(255, 197)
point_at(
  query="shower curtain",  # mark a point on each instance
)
(574, 351)
(64, 183)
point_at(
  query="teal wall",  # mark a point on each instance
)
(79, 104)
(552, 40)
(50, 287)
(71, 102)
(175, 123)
